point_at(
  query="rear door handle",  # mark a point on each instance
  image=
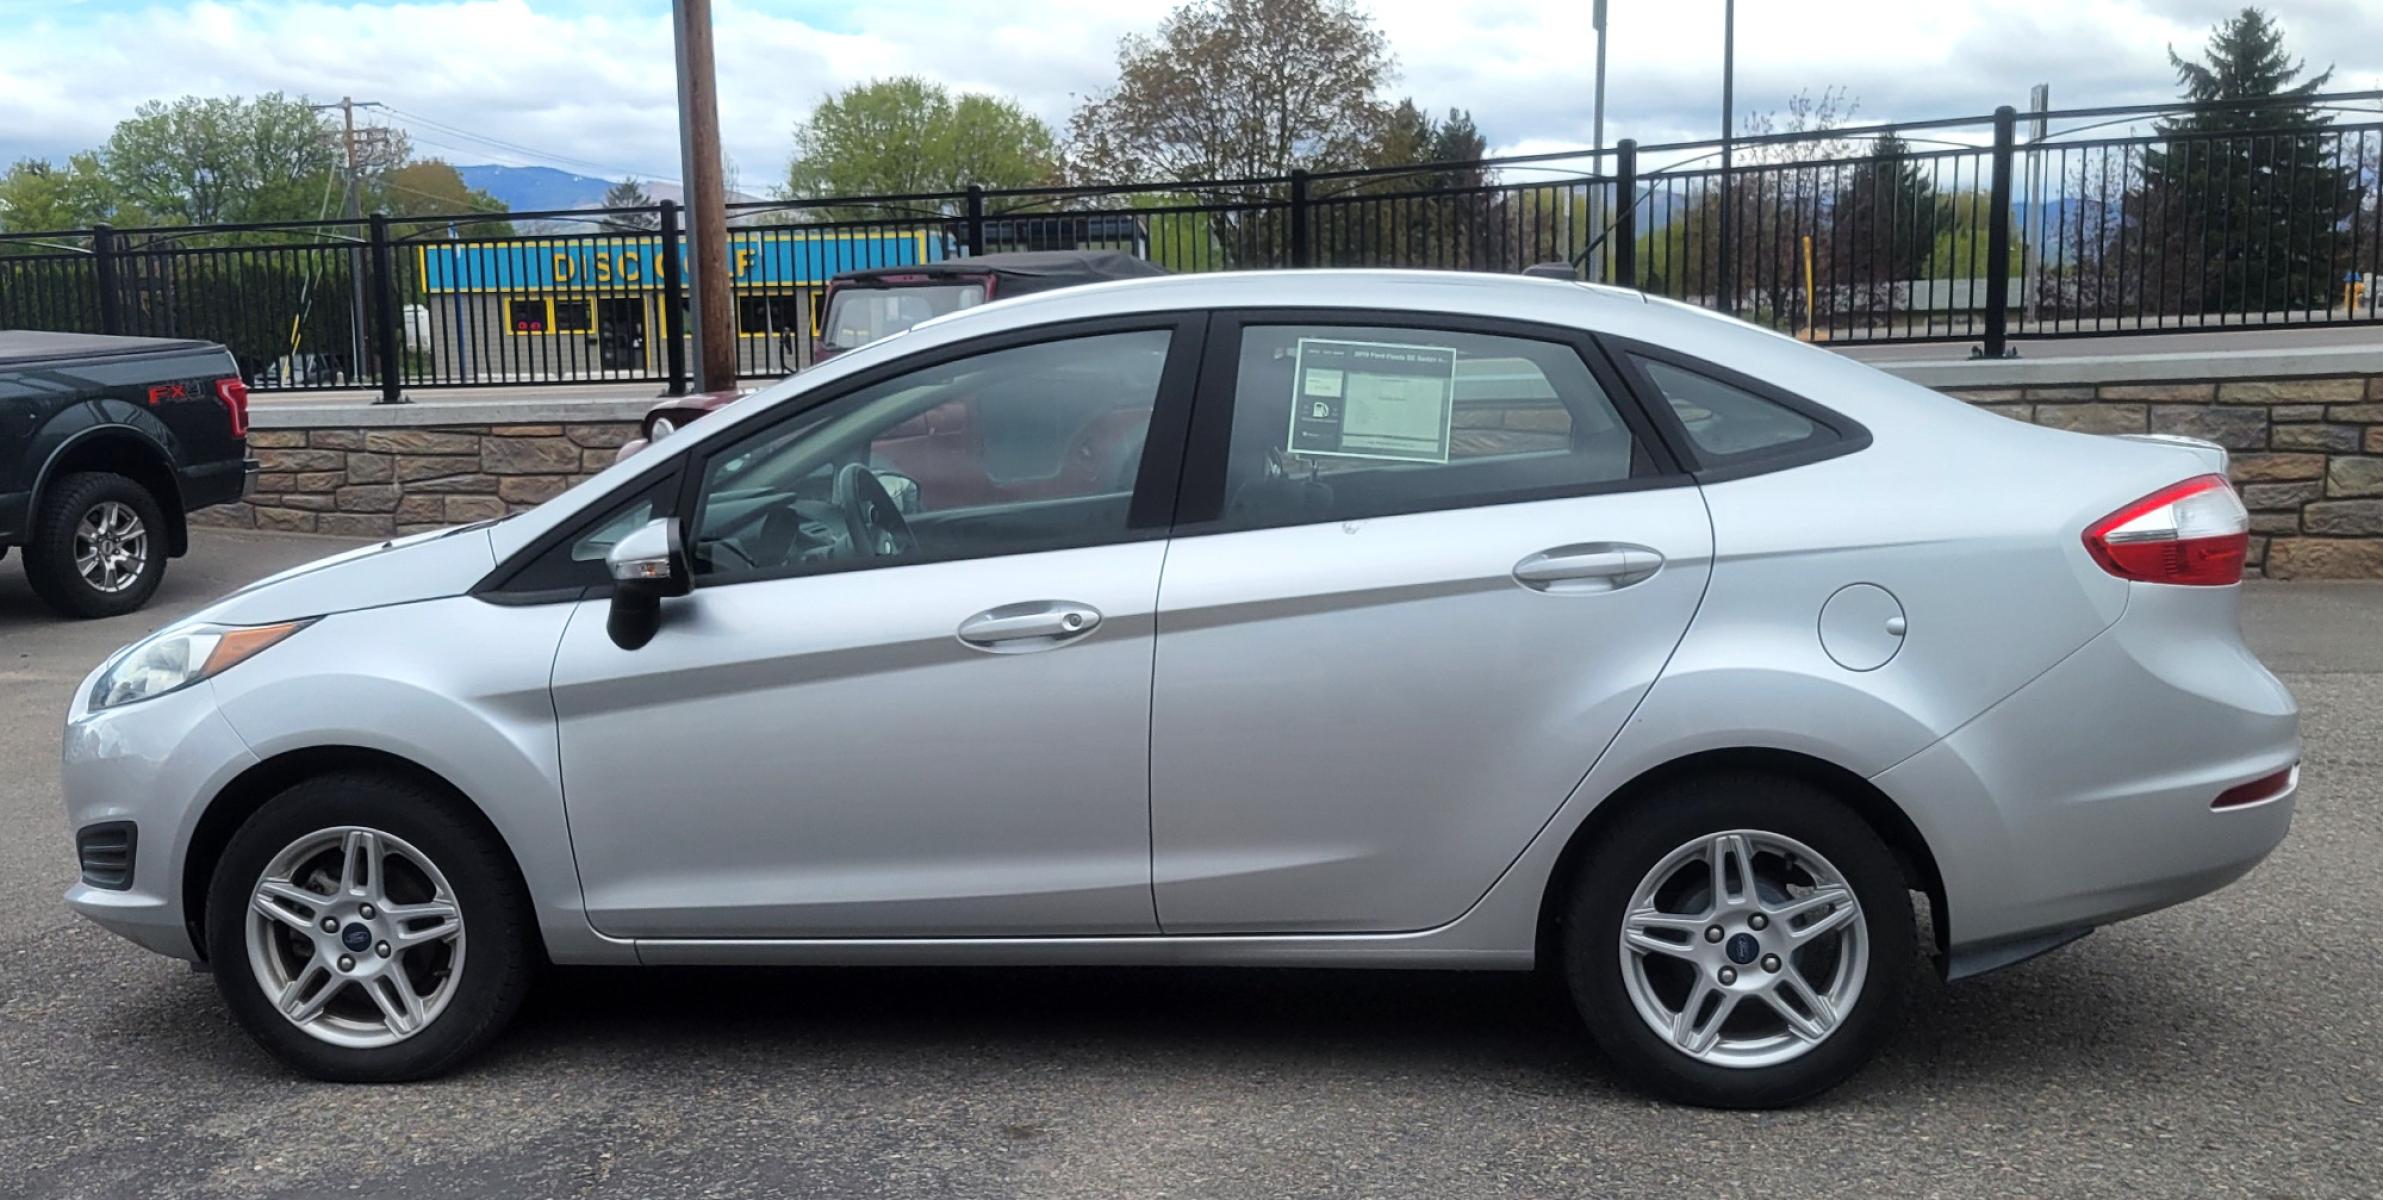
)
(1031, 625)
(1588, 567)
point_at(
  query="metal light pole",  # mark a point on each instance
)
(1596, 263)
(1728, 291)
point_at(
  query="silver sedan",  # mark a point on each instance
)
(1355, 619)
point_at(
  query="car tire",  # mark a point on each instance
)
(79, 509)
(1787, 1006)
(430, 845)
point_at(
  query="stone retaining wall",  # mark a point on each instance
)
(2307, 454)
(374, 482)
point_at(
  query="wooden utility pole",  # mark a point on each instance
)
(713, 310)
(352, 208)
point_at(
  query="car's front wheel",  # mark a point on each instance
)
(1740, 941)
(364, 928)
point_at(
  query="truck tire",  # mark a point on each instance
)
(98, 546)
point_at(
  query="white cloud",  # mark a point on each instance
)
(591, 80)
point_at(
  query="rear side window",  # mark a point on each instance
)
(1332, 422)
(1723, 421)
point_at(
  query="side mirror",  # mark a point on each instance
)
(647, 566)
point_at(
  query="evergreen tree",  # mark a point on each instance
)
(1423, 217)
(1882, 226)
(630, 193)
(2244, 206)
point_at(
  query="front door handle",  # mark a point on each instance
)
(1032, 625)
(1588, 567)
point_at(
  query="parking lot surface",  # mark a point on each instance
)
(2230, 1047)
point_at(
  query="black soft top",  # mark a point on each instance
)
(19, 346)
(1022, 272)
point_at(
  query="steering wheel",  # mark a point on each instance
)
(872, 521)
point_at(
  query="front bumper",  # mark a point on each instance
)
(2085, 797)
(150, 763)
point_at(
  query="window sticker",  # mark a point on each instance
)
(1372, 400)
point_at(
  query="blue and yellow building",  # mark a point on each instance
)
(592, 305)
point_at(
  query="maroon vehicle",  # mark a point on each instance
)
(862, 306)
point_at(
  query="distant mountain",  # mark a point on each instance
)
(530, 189)
(542, 189)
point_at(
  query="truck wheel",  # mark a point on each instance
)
(98, 547)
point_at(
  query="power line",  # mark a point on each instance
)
(527, 151)
(467, 201)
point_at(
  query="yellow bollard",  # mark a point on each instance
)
(1808, 310)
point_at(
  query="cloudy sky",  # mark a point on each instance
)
(586, 84)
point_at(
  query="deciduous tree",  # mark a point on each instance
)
(37, 195)
(910, 135)
(206, 161)
(1238, 88)
(433, 188)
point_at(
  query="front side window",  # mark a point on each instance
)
(1339, 421)
(1030, 448)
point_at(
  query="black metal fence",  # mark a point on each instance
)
(1978, 228)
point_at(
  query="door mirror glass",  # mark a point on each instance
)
(646, 566)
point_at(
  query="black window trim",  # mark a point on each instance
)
(1154, 480)
(496, 587)
(1842, 435)
(1201, 496)
(1147, 514)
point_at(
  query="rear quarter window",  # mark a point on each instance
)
(1729, 422)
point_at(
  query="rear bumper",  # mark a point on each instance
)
(2085, 797)
(217, 482)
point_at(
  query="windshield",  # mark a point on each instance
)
(859, 316)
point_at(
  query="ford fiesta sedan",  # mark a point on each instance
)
(1313, 618)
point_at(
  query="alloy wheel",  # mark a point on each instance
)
(355, 936)
(1744, 949)
(111, 546)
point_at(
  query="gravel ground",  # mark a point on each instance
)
(2230, 1047)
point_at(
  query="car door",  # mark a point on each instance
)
(1424, 570)
(928, 723)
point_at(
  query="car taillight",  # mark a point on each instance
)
(2196, 532)
(234, 395)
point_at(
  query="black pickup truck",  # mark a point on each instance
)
(105, 444)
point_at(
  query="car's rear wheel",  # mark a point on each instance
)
(364, 929)
(1739, 940)
(98, 547)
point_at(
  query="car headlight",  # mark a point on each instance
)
(661, 428)
(183, 655)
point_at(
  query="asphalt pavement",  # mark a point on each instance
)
(2230, 1047)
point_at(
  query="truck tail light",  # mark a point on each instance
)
(234, 395)
(2196, 533)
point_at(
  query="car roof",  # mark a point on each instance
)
(1419, 291)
